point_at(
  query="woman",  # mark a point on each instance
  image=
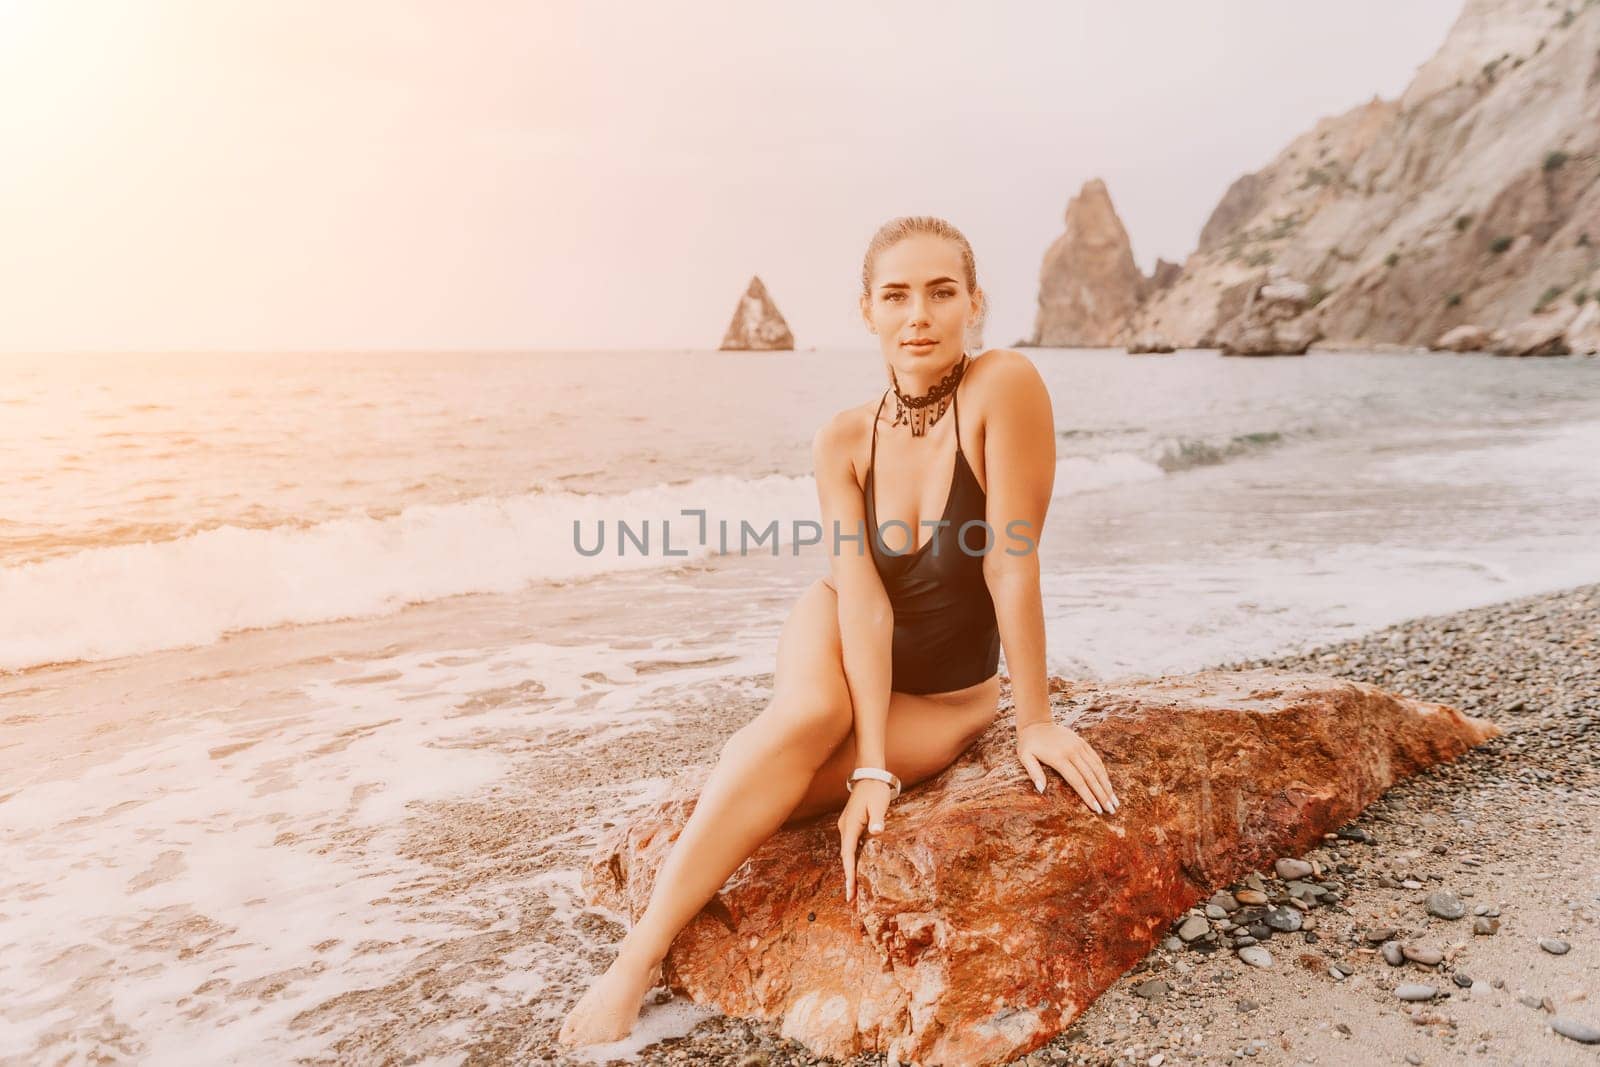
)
(887, 670)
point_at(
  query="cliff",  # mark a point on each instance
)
(1474, 199)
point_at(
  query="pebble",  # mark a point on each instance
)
(1215, 912)
(1193, 927)
(1554, 945)
(1410, 883)
(1415, 991)
(1224, 900)
(1250, 896)
(1260, 931)
(1256, 956)
(1444, 904)
(1485, 925)
(1426, 955)
(1392, 954)
(1462, 980)
(1379, 935)
(1576, 1030)
(1413, 1059)
(1172, 944)
(1152, 989)
(1292, 868)
(1284, 920)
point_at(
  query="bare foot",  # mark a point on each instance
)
(608, 1010)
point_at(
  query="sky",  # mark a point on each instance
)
(221, 175)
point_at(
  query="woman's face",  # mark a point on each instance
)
(918, 294)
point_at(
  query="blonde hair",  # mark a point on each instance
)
(898, 229)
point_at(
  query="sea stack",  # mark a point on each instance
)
(757, 325)
(1089, 285)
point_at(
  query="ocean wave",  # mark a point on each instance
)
(129, 599)
(117, 600)
(1186, 453)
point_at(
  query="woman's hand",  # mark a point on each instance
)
(865, 809)
(1060, 747)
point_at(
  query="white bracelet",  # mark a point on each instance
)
(877, 774)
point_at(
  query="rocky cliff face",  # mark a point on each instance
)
(757, 326)
(1089, 285)
(1474, 199)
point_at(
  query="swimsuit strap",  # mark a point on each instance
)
(955, 402)
(872, 462)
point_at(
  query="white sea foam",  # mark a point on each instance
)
(131, 599)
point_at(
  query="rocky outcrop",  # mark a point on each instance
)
(1542, 335)
(1089, 284)
(757, 326)
(1272, 321)
(1165, 276)
(1465, 338)
(1150, 343)
(1474, 198)
(987, 917)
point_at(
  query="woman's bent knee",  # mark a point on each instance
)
(813, 727)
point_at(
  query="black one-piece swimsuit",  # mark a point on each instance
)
(946, 636)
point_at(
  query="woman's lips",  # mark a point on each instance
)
(920, 346)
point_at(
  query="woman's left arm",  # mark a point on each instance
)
(1019, 456)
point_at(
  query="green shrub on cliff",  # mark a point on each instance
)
(1548, 298)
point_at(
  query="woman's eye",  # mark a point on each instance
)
(891, 296)
(945, 292)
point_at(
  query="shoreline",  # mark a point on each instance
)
(1512, 826)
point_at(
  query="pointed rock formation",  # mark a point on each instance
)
(1089, 284)
(1471, 199)
(1163, 277)
(987, 917)
(757, 326)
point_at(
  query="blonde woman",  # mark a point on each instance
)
(887, 669)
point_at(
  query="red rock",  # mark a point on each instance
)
(987, 916)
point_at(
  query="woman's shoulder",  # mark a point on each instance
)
(845, 433)
(1003, 376)
(1002, 367)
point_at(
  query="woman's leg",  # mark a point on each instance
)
(765, 769)
(922, 736)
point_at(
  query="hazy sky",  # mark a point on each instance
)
(231, 175)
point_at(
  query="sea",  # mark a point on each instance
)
(259, 613)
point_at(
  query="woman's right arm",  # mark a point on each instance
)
(866, 619)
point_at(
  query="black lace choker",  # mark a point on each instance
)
(914, 410)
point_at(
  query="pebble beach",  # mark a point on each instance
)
(1455, 921)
